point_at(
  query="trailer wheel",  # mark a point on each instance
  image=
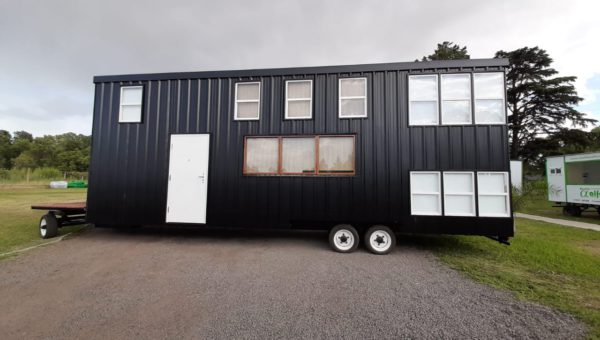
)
(572, 210)
(380, 240)
(343, 238)
(48, 226)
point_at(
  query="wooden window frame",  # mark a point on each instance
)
(315, 173)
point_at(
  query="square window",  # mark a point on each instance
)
(247, 101)
(493, 190)
(262, 155)
(352, 98)
(425, 191)
(456, 98)
(130, 108)
(489, 98)
(459, 194)
(298, 102)
(423, 100)
(336, 155)
(298, 155)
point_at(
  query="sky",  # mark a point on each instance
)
(51, 50)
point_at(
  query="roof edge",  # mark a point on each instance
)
(400, 66)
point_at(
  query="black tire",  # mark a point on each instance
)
(48, 227)
(572, 210)
(380, 240)
(343, 238)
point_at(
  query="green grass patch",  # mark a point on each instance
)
(552, 265)
(18, 223)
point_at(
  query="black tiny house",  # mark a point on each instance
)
(419, 147)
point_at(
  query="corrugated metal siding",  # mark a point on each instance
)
(129, 168)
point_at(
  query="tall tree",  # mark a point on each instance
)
(448, 51)
(538, 102)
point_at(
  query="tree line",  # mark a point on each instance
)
(542, 116)
(68, 152)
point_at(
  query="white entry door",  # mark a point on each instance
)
(188, 179)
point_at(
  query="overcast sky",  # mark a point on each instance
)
(50, 50)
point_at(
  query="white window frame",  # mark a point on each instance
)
(121, 104)
(437, 99)
(438, 194)
(505, 194)
(235, 116)
(475, 98)
(465, 193)
(469, 99)
(287, 100)
(352, 97)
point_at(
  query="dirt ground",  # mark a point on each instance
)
(158, 283)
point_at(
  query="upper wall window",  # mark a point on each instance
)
(489, 98)
(247, 101)
(130, 109)
(423, 100)
(352, 97)
(298, 99)
(456, 98)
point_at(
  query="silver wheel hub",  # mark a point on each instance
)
(43, 227)
(343, 239)
(380, 240)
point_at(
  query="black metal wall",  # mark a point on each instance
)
(129, 166)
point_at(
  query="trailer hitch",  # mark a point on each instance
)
(500, 239)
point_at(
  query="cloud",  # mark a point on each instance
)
(52, 50)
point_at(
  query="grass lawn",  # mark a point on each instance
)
(552, 265)
(18, 223)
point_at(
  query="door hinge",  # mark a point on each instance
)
(168, 208)
(169, 177)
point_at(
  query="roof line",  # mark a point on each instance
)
(402, 66)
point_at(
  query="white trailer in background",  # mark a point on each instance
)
(574, 182)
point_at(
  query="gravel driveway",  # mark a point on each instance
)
(205, 284)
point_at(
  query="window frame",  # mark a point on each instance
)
(506, 194)
(437, 100)
(121, 104)
(310, 114)
(472, 193)
(438, 194)
(365, 97)
(280, 172)
(475, 98)
(236, 100)
(469, 99)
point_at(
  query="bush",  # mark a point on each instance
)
(4, 174)
(529, 191)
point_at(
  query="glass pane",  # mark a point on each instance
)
(352, 107)
(298, 109)
(456, 112)
(459, 205)
(131, 95)
(491, 183)
(489, 85)
(581, 173)
(297, 89)
(489, 111)
(425, 205)
(425, 183)
(456, 86)
(353, 87)
(423, 87)
(492, 205)
(248, 91)
(336, 154)
(262, 155)
(131, 113)
(298, 155)
(423, 113)
(455, 183)
(247, 110)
